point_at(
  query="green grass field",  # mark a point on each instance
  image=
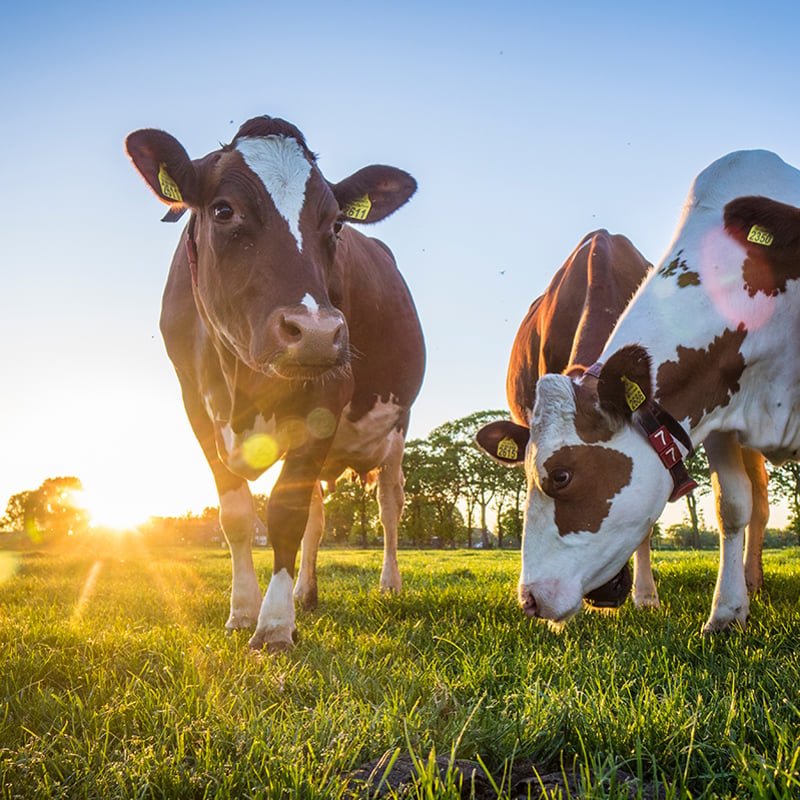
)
(118, 681)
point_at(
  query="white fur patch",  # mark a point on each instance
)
(277, 611)
(284, 170)
(368, 440)
(310, 303)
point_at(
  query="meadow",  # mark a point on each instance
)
(118, 681)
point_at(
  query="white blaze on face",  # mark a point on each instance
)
(310, 304)
(284, 170)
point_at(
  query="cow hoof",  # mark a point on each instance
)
(273, 648)
(308, 601)
(650, 602)
(237, 623)
(723, 626)
(260, 639)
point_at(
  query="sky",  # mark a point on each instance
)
(526, 125)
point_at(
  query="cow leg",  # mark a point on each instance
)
(238, 520)
(391, 498)
(236, 514)
(287, 515)
(759, 516)
(645, 594)
(305, 588)
(733, 496)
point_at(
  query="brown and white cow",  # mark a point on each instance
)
(564, 331)
(294, 337)
(705, 352)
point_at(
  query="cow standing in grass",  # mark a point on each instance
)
(294, 337)
(564, 332)
(705, 352)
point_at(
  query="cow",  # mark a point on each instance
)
(705, 352)
(294, 337)
(564, 331)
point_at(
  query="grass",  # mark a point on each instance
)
(118, 680)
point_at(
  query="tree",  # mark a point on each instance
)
(54, 508)
(431, 469)
(351, 508)
(784, 482)
(20, 513)
(484, 478)
(698, 468)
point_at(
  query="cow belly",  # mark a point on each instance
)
(363, 444)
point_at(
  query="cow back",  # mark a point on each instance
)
(567, 327)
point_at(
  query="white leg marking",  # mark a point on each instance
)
(284, 170)
(759, 517)
(305, 589)
(276, 621)
(732, 491)
(238, 520)
(391, 497)
(645, 594)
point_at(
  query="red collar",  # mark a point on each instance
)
(659, 426)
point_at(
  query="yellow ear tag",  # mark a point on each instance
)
(359, 209)
(507, 449)
(760, 235)
(634, 396)
(168, 186)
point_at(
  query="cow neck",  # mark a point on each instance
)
(659, 426)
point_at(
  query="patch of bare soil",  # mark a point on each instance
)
(520, 782)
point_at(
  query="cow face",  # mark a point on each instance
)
(263, 238)
(595, 487)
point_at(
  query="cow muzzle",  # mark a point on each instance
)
(307, 343)
(549, 602)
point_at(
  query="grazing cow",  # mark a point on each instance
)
(705, 352)
(294, 337)
(564, 332)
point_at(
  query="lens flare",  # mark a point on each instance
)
(321, 423)
(260, 451)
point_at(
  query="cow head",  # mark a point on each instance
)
(595, 484)
(262, 241)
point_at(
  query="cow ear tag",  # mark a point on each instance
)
(634, 396)
(169, 188)
(358, 209)
(759, 235)
(507, 449)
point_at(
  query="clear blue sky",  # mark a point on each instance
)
(526, 124)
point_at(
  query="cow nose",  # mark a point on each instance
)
(528, 602)
(312, 339)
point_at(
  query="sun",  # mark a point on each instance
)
(108, 511)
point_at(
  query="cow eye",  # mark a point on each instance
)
(222, 212)
(560, 478)
(337, 227)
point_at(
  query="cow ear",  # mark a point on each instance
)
(164, 164)
(373, 193)
(625, 381)
(504, 441)
(763, 221)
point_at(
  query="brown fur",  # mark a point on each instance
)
(767, 268)
(722, 365)
(565, 329)
(585, 502)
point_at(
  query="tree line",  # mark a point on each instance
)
(455, 497)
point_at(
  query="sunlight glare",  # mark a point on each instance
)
(107, 511)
